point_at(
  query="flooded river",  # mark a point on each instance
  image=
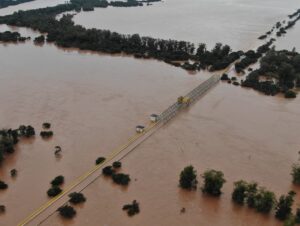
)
(94, 101)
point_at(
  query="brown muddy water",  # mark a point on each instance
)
(30, 5)
(94, 101)
(234, 22)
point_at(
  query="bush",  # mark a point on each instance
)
(264, 201)
(297, 216)
(213, 182)
(239, 193)
(296, 174)
(188, 177)
(3, 185)
(76, 198)
(120, 178)
(100, 160)
(108, 171)
(117, 164)
(67, 211)
(46, 134)
(290, 94)
(13, 173)
(284, 206)
(224, 77)
(2, 209)
(57, 181)
(132, 209)
(54, 191)
(46, 125)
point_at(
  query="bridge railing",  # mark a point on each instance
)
(192, 96)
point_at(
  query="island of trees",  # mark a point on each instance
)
(8, 36)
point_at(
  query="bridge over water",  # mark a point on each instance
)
(49, 208)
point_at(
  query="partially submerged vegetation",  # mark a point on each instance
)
(132, 209)
(67, 211)
(279, 72)
(213, 182)
(188, 178)
(10, 137)
(8, 36)
(118, 178)
(65, 33)
(55, 189)
(76, 198)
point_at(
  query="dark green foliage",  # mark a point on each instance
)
(108, 171)
(13, 173)
(57, 181)
(213, 182)
(76, 198)
(100, 160)
(2, 209)
(46, 134)
(67, 211)
(46, 125)
(188, 177)
(120, 178)
(281, 68)
(239, 193)
(8, 36)
(117, 164)
(290, 94)
(3, 185)
(132, 209)
(296, 174)
(40, 40)
(251, 194)
(224, 77)
(264, 201)
(284, 206)
(54, 191)
(64, 33)
(297, 216)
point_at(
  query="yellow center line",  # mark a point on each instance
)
(80, 179)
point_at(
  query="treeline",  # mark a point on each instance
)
(251, 56)
(6, 3)
(282, 27)
(65, 33)
(8, 36)
(279, 72)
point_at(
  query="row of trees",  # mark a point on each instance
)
(264, 201)
(66, 34)
(8, 36)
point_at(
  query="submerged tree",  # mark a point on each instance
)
(296, 173)
(188, 177)
(67, 211)
(213, 182)
(284, 206)
(76, 198)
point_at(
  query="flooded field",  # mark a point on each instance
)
(238, 131)
(30, 5)
(94, 101)
(237, 23)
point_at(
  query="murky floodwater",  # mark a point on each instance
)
(30, 5)
(94, 101)
(234, 22)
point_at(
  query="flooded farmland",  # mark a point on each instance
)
(94, 101)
